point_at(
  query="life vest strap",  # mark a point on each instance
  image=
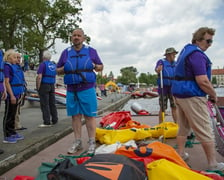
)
(178, 78)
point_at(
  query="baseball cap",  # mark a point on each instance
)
(170, 50)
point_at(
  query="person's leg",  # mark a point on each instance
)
(162, 101)
(174, 114)
(173, 108)
(88, 105)
(52, 104)
(9, 122)
(183, 127)
(44, 103)
(17, 120)
(209, 148)
(204, 132)
(73, 109)
(77, 126)
(91, 127)
(77, 130)
(18, 124)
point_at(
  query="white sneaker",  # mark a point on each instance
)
(77, 145)
(92, 148)
(44, 125)
(218, 167)
(185, 156)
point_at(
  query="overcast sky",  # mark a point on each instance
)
(137, 32)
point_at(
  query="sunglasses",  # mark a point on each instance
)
(209, 41)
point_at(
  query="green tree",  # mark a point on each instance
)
(128, 75)
(111, 76)
(149, 79)
(37, 23)
(214, 80)
(101, 79)
(12, 16)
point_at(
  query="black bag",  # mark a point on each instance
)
(55, 173)
(107, 167)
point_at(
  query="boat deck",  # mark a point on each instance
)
(197, 160)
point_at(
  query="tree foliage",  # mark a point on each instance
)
(101, 79)
(149, 79)
(37, 23)
(128, 75)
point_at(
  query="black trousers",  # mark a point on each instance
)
(47, 103)
(9, 118)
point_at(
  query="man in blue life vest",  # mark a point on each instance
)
(79, 64)
(190, 87)
(167, 66)
(45, 84)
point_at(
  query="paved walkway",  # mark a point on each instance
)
(197, 160)
(36, 139)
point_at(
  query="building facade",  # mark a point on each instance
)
(218, 76)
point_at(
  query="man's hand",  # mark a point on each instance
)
(159, 68)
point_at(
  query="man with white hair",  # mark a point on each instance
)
(45, 84)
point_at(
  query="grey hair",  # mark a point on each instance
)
(47, 55)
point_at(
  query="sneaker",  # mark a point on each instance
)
(54, 123)
(218, 167)
(185, 156)
(44, 125)
(10, 140)
(17, 136)
(75, 147)
(92, 148)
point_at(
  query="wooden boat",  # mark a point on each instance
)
(217, 116)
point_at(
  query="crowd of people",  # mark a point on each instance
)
(78, 63)
(185, 83)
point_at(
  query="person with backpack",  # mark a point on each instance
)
(45, 84)
(79, 64)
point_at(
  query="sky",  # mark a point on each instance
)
(136, 32)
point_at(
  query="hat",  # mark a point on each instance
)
(170, 50)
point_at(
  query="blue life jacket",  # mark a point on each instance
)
(79, 67)
(50, 73)
(187, 86)
(1, 67)
(168, 73)
(18, 81)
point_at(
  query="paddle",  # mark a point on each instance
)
(162, 97)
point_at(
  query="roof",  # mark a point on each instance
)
(217, 71)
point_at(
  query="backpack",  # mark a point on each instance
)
(55, 173)
(107, 167)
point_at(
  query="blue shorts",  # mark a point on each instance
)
(82, 102)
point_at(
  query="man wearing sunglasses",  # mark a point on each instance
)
(190, 87)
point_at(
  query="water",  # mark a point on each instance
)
(152, 104)
(149, 104)
(219, 91)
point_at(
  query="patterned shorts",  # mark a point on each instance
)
(165, 99)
